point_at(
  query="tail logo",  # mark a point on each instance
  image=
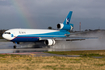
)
(67, 20)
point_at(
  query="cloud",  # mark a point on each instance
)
(5, 2)
(81, 8)
(53, 11)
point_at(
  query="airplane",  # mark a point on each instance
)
(48, 36)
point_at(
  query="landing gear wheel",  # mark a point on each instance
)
(14, 46)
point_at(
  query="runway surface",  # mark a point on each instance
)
(35, 52)
(43, 54)
(90, 44)
(38, 49)
(7, 48)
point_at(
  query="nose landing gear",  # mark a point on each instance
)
(14, 46)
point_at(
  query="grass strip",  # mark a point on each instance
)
(86, 53)
(29, 62)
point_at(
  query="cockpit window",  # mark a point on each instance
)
(7, 33)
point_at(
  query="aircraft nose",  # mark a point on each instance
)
(4, 36)
(7, 36)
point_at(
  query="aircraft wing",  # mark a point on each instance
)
(68, 38)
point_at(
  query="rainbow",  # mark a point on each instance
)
(24, 13)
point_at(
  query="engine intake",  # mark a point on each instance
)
(60, 26)
(65, 26)
(49, 42)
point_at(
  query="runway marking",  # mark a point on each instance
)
(23, 53)
(38, 54)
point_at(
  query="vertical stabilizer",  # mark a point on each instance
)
(68, 18)
(66, 25)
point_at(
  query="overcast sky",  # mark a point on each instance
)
(45, 13)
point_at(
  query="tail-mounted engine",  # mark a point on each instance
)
(65, 26)
(49, 42)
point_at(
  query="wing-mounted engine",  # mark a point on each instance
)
(62, 26)
(49, 42)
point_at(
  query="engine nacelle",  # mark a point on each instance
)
(49, 42)
(65, 26)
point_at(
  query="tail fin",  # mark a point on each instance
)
(68, 18)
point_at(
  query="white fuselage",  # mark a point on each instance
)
(23, 35)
